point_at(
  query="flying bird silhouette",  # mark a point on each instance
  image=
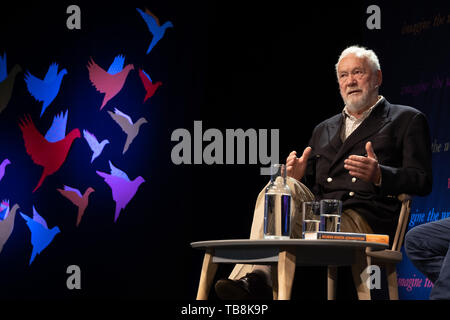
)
(131, 129)
(93, 143)
(49, 155)
(4, 209)
(154, 27)
(3, 67)
(45, 90)
(57, 130)
(6, 222)
(81, 201)
(3, 167)
(149, 86)
(123, 189)
(41, 235)
(6, 81)
(117, 65)
(109, 82)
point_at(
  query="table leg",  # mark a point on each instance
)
(331, 282)
(286, 271)
(207, 275)
(274, 281)
(359, 275)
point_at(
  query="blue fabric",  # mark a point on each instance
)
(427, 246)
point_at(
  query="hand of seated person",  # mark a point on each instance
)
(296, 167)
(365, 168)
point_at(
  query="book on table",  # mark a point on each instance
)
(369, 237)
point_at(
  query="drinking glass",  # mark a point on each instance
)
(330, 215)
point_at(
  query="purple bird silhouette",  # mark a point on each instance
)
(3, 167)
(123, 189)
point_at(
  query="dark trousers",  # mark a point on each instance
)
(427, 246)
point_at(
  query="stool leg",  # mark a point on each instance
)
(286, 271)
(392, 281)
(331, 282)
(207, 276)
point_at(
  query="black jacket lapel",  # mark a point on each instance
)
(334, 133)
(376, 120)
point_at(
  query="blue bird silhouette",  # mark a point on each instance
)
(4, 209)
(45, 90)
(41, 235)
(57, 131)
(117, 65)
(3, 70)
(154, 27)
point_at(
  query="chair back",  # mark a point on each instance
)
(403, 220)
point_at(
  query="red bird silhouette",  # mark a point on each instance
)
(50, 155)
(149, 86)
(105, 82)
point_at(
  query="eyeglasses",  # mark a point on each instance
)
(356, 73)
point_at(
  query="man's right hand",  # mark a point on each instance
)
(296, 167)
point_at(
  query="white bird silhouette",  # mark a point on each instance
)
(93, 143)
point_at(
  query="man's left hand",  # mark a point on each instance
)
(365, 168)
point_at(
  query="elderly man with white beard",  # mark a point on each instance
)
(364, 156)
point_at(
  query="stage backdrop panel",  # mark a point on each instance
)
(414, 55)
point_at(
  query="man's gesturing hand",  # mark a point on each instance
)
(365, 168)
(296, 167)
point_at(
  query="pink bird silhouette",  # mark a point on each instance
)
(109, 83)
(49, 155)
(149, 86)
(81, 201)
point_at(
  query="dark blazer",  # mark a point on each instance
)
(401, 141)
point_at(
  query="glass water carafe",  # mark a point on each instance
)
(277, 206)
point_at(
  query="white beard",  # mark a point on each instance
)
(356, 105)
(362, 102)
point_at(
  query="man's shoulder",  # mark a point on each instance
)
(332, 120)
(396, 109)
(402, 113)
(385, 107)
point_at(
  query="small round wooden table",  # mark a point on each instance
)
(283, 255)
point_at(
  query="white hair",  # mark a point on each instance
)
(361, 52)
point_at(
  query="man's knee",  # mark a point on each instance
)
(414, 240)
